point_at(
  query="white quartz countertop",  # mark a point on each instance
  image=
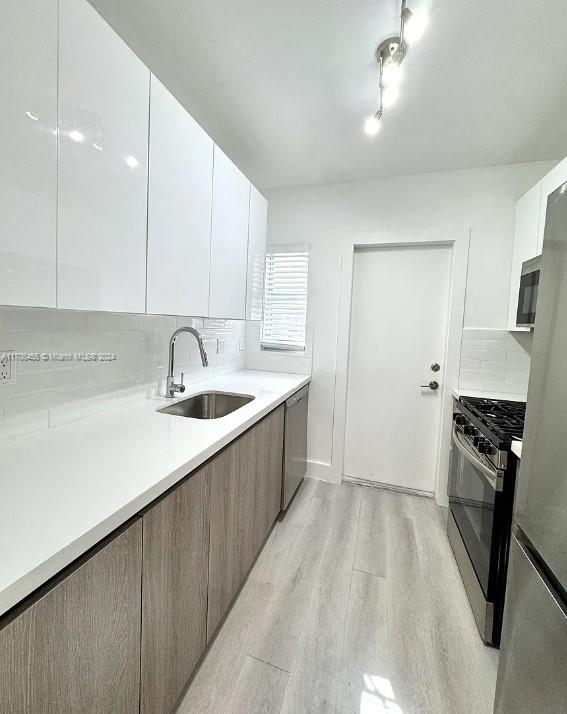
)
(65, 489)
(517, 448)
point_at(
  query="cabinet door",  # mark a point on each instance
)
(103, 144)
(227, 556)
(257, 232)
(175, 576)
(268, 465)
(525, 246)
(245, 502)
(179, 209)
(549, 183)
(76, 650)
(28, 147)
(229, 239)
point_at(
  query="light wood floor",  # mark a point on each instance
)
(354, 606)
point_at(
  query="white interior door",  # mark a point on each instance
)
(399, 317)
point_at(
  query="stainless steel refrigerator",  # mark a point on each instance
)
(532, 675)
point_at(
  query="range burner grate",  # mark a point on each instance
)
(504, 419)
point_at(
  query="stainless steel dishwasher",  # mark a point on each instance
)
(295, 444)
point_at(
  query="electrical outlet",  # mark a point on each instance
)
(7, 367)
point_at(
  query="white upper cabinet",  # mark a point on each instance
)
(229, 239)
(257, 232)
(103, 145)
(525, 245)
(549, 183)
(28, 152)
(179, 209)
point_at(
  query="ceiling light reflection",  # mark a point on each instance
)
(372, 125)
(76, 136)
(97, 146)
(132, 162)
(390, 96)
(32, 115)
(415, 22)
(391, 74)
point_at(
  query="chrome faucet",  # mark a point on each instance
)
(171, 386)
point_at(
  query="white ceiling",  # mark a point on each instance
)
(284, 86)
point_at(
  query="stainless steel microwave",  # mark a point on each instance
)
(527, 299)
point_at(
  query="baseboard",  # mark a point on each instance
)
(386, 487)
(322, 472)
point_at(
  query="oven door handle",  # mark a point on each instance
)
(494, 477)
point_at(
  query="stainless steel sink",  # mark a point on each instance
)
(207, 405)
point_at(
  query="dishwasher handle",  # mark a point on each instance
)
(297, 397)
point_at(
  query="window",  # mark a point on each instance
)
(285, 300)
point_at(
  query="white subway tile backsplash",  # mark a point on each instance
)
(495, 360)
(471, 364)
(484, 355)
(522, 357)
(50, 392)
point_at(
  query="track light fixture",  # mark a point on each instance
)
(389, 56)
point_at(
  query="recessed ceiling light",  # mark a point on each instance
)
(132, 162)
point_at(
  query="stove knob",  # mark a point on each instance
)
(484, 446)
(460, 419)
(470, 430)
(477, 439)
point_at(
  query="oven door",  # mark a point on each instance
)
(473, 489)
(527, 298)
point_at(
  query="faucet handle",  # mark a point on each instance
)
(181, 387)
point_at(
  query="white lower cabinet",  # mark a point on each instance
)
(28, 151)
(179, 209)
(229, 239)
(525, 246)
(103, 146)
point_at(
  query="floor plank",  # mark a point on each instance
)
(362, 685)
(313, 682)
(371, 542)
(260, 689)
(280, 629)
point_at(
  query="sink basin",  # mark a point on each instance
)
(207, 405)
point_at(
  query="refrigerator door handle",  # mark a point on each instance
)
(493, 476)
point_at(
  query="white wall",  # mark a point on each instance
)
(479, 200)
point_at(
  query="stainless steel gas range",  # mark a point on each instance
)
(482, 477)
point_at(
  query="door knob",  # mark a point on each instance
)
(432, 385)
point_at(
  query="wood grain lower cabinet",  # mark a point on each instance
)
(76, 649)
(175, 577)
(245, 502)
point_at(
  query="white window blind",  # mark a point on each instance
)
(285, 300)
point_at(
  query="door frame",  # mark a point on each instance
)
(458, 280)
